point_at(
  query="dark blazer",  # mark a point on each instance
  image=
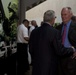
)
(68, 65)
(45, 47)
(71, 33)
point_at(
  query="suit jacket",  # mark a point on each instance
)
(71, 33)
(45, 47)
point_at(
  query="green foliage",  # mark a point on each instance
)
(14, 29)
(13, 18)
(56, 24)
(10, 24)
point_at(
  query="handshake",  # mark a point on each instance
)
(74, 54)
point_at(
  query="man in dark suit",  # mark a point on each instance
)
(45, 47)
(68, 65)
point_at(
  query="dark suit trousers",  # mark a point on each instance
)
(67, 66)
(22, 58)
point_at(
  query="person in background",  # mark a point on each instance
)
(34, 23)
(68, 35)
(33, 26)
(45, 47)
(22, 45)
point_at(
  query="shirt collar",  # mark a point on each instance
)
(68, 23)
(48, 23)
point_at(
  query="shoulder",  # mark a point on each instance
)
(57, 32)
(73, 25)
(23, 27)
(72, 34)
(35, 30)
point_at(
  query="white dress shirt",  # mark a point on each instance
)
(30, 30)
(22, 32)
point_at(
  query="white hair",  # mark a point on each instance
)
(49, 15)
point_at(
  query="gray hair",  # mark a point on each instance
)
(49, 15)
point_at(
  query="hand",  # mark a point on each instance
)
(73, 48)
(74, 55)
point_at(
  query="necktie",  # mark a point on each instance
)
(64, 34)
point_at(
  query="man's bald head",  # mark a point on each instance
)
(66, 14)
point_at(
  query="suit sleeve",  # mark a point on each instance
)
(59, 48)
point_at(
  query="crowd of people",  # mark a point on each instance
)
(52, 50)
